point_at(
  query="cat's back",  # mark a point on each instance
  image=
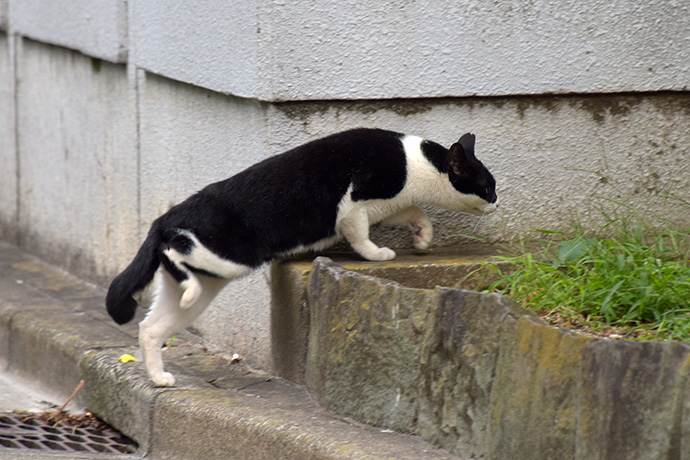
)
(371, 160)
(291, 199)
(347, 151)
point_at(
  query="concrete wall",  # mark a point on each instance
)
(78, 159)
(111, 111)
(8, 150)
(357, 49)
(97, 28)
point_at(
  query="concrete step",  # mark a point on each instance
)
(419, 269)
(475, 373)
(53, 328)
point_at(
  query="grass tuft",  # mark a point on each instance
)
(635, 282)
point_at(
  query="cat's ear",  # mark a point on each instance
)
(461, 157)
(467, 143)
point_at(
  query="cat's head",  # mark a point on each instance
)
(470, 177)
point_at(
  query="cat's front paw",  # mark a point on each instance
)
(164, 379)
(380, 254)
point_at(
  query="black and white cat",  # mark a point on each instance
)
(304, 199)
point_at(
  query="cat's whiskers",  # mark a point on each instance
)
(474, 230)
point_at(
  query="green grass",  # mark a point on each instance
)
(634, 283)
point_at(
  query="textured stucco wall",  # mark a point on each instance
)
(212, 44)
(351, 49)
(556, 159)
(94, 27)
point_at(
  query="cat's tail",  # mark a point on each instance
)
(119, 301)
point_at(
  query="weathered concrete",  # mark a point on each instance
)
(393, 356)
(21, 394)
(271, 420)
(394, 50)
(52, 328)
(35, 333)
(38, 334)
(8, 149)
(289, 319)
(634, 401)
(559, 395)
(482, 377)
(78, 167)
(364, 342)
(4, 14)
(412, 268)
(473, 373)
(456, 368)
(94, 27)
(120, 395)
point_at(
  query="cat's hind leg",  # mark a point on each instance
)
(174, 263)
(187, 257)
(161, 319)
(419, 223)
(165, 317)
(192, 290)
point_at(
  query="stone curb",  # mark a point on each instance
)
(53, 327)
(481, 376)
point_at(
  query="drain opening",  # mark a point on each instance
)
(24, 431)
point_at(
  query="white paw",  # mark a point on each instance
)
(164, 379)
(420, 244)
(422, 240)
(380, 254)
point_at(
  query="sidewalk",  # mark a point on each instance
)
(54, 329)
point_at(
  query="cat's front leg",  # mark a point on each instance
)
(355, 228)
(416, 218)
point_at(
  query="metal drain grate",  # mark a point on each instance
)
(20, 431)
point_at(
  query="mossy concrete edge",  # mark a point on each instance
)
(482, 377)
